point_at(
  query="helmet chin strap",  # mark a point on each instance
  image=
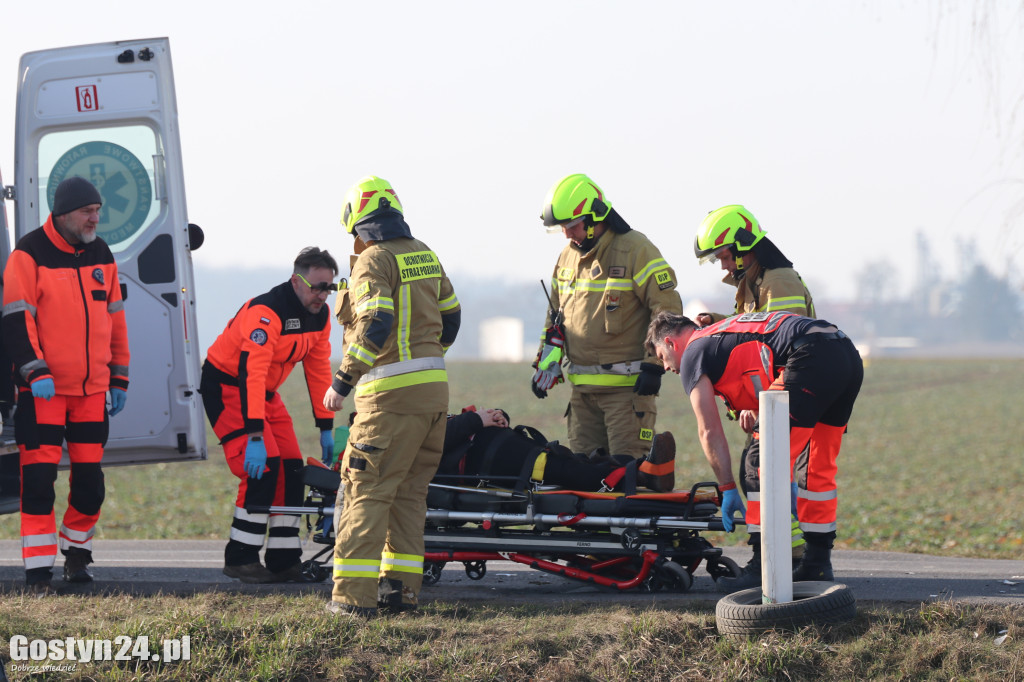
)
(738, 259)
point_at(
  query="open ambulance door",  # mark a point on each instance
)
(107, 112)
(10, 475)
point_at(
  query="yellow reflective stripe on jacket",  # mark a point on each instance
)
(449, 303)
(404, 315)
(603, 379)
(356, 568)
(562, 286)
(375, 303)
(590, 285)
(402, 381)
(786, 303)
(619, 284)
(402, 563)
(657, 264)
(362, 354)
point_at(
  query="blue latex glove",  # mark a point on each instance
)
(43, 388)
(326, 447)
(732, 503)
(792, 497)
(255, 458)
(118, 397)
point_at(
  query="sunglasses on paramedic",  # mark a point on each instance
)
(323, 287)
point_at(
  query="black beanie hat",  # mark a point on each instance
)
(74, 192)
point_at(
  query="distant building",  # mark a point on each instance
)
(501, 339)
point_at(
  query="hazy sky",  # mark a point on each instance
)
(844, 126)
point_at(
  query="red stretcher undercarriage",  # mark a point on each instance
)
(650, 541)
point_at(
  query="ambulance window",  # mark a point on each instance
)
(120, 162)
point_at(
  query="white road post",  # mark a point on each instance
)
(776, 532)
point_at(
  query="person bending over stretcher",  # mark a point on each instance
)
(480, 443)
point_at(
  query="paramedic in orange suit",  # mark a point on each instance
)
(64, 327)
(243, 371)
(736, 358)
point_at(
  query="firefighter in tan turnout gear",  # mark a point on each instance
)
(608, 284)
(765, 282)
(400, 315)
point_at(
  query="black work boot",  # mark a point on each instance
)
(76, 562)
(816, 563)
(751, 576)
(660, 464)
(389, 597)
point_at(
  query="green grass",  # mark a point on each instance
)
(278, 637)
(931, 463)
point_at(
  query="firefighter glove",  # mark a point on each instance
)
(543, 379)
(43, 388)
(326, 447)
(118, 397)
(550, 355)
(648, 382)
(255, 458)
(731, 503)
(793, 492)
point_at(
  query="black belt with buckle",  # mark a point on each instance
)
(816, 336)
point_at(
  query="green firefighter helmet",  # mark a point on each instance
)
(370, 196)
(574, 197)
(731, 226)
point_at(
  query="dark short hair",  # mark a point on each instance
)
(663, 325)
(313, 257)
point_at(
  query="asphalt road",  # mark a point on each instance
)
(190, 566)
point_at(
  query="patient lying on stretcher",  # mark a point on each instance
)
(481, 444)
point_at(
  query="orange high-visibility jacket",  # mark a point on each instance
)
(63, 314)
(264, 341)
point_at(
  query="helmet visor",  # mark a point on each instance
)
(559, 227)
(713, 256)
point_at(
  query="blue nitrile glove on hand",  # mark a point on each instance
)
(255, 458)
(731, 503)
(118, 397)
(326, 447)
(793, 492)
(43, 388)
(648, 382)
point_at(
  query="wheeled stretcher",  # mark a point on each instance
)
(650, 541)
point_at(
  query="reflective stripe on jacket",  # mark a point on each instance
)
(397, 308)
(609, 297)
(770, 291)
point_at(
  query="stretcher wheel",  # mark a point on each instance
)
(432, 572)
(476, 570)
(723, 567)
(314, 571)
(669, 576)
(742, 614)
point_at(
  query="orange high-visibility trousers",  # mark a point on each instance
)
(42, 426)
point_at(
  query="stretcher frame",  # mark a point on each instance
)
(646, 541)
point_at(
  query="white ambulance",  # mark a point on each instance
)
(107, 112)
